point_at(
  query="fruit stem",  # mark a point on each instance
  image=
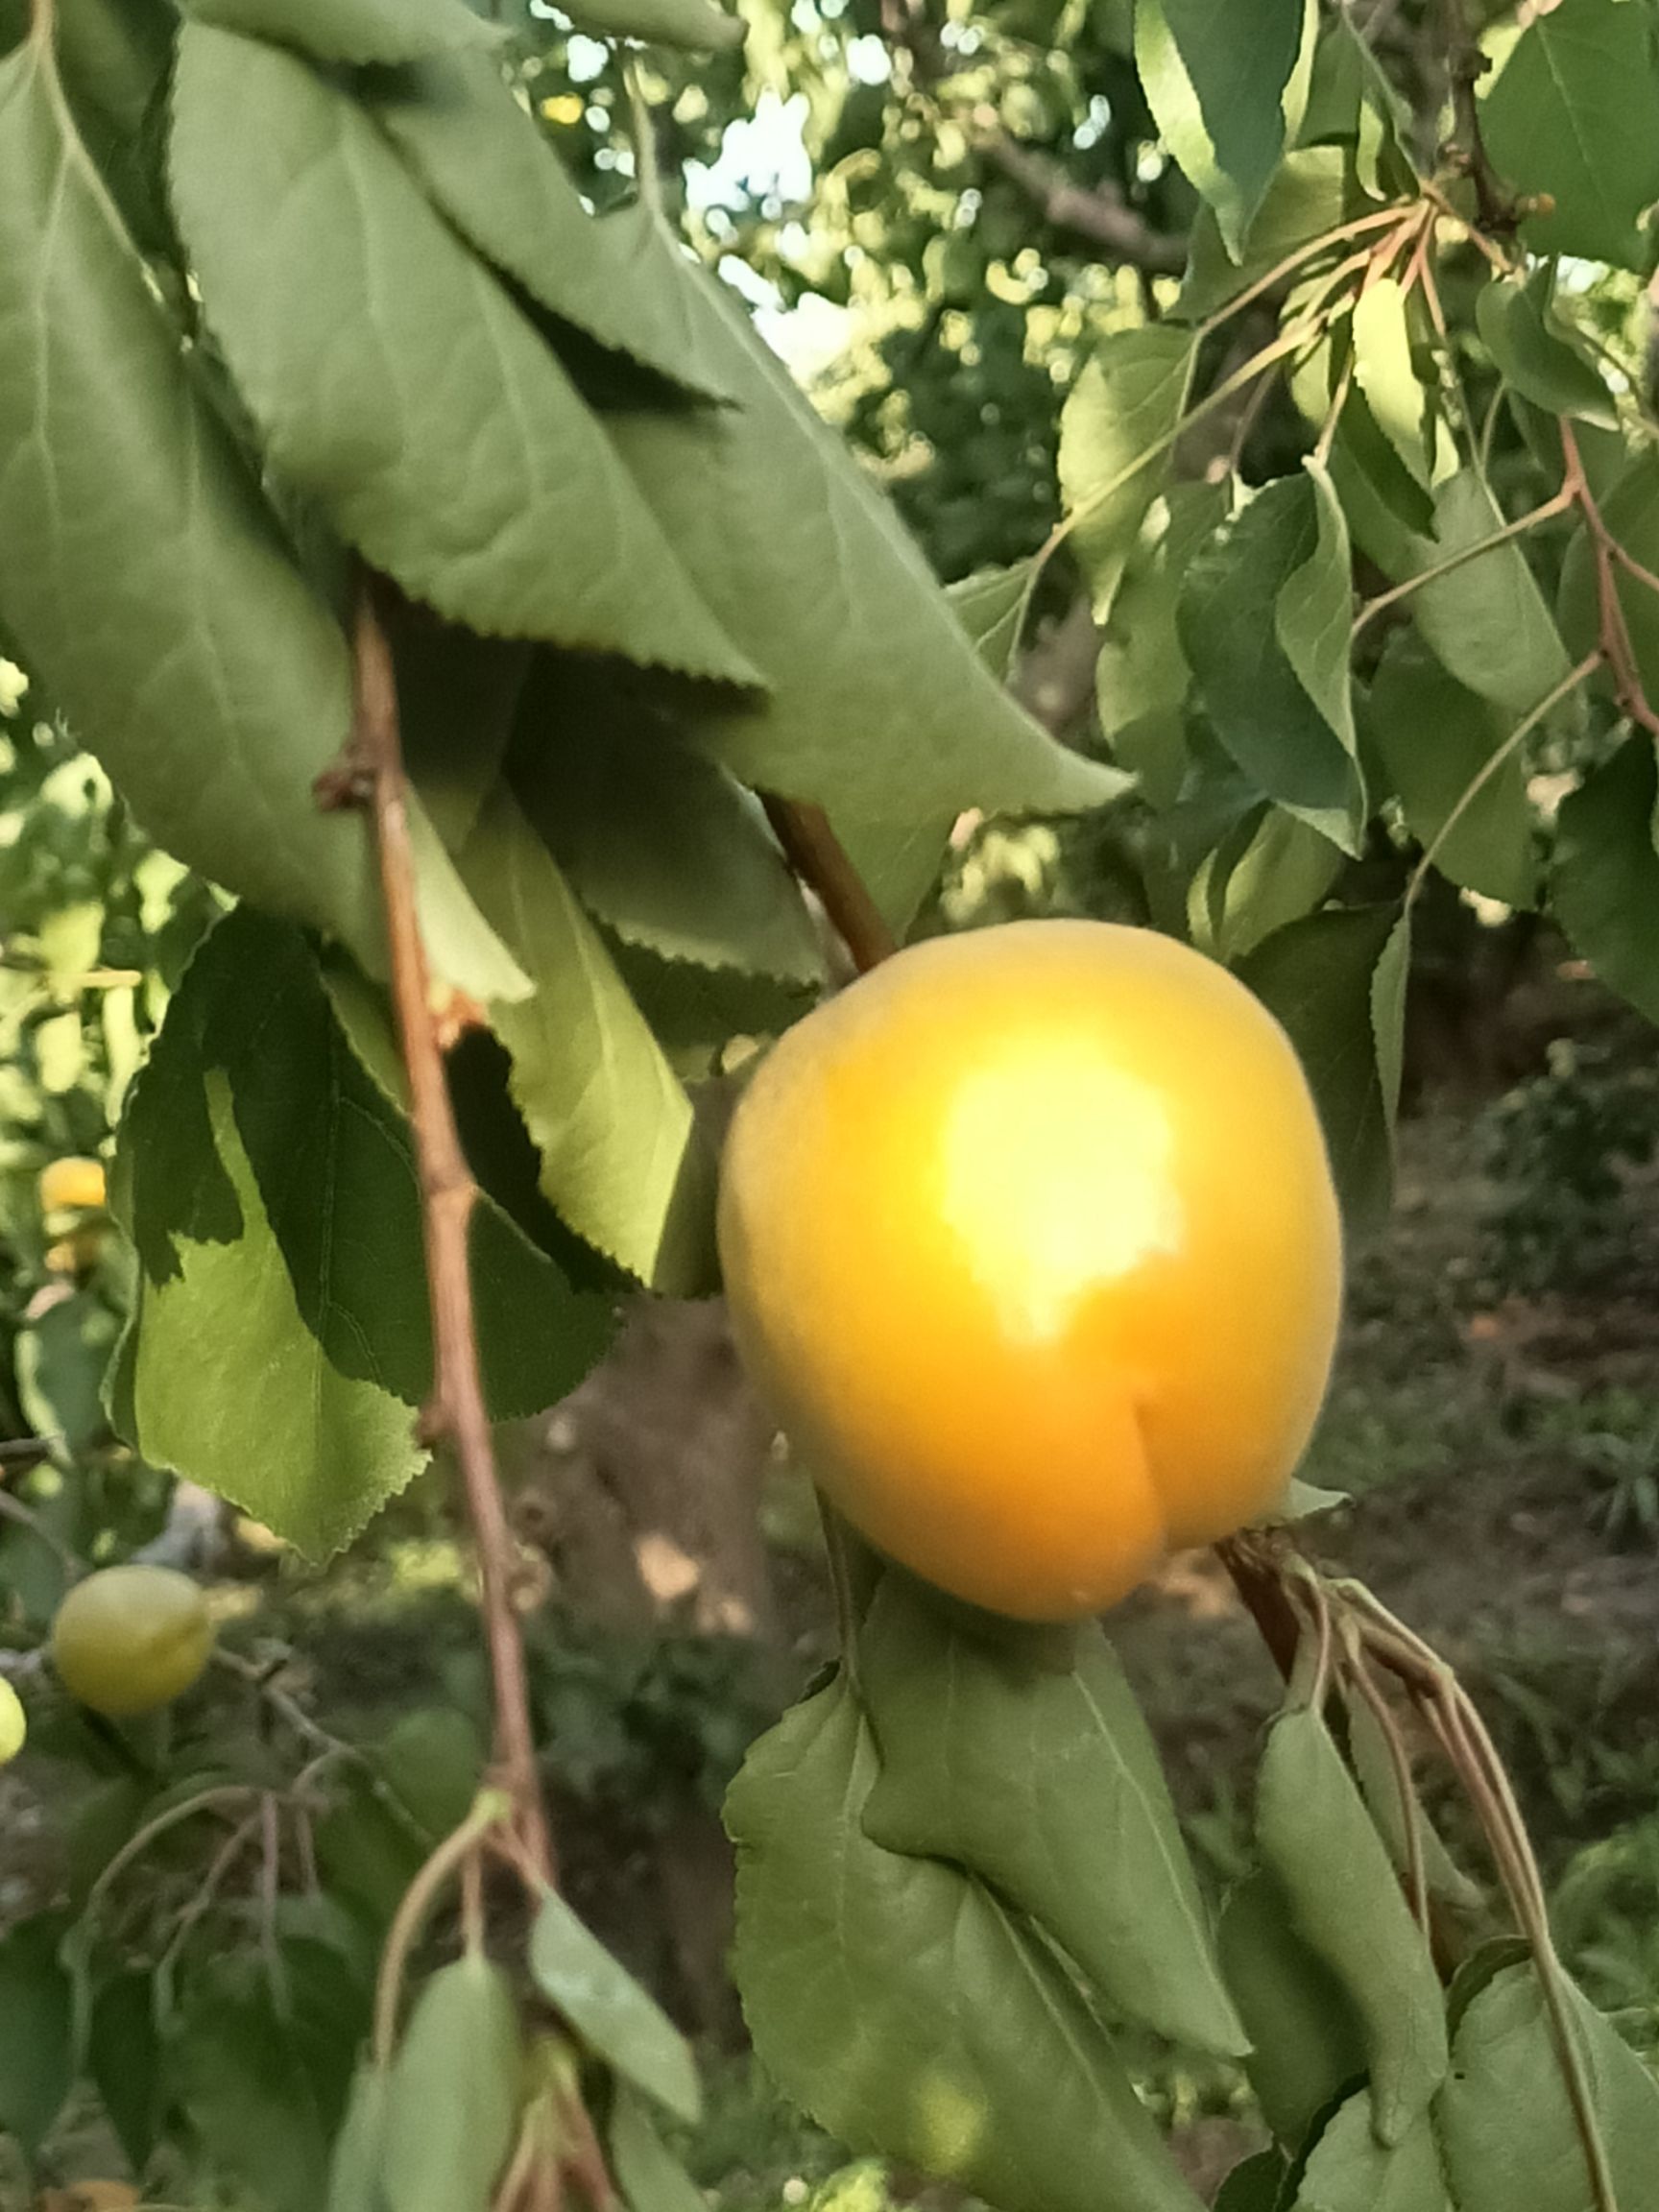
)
(822, 863)
(371, 775)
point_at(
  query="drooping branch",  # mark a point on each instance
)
(1098, 213)
(371, 775)
(1497, 209)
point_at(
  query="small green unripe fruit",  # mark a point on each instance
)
(14, 1727)
(130, 1639)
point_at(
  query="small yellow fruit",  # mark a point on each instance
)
(13, 1724)
(1031, 1245)
(129, 1639)
(71, 1182)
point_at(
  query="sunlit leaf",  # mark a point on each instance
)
(1116, 430)
(622, 2022)
(1312, 615)
(697, 25)
(452, 2100)
(1486, 621)
(1142, 677)
(1536, 356)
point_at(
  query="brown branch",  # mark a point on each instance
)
(1098, 213)
(1497, 209)
(371, 775)
(819, 858)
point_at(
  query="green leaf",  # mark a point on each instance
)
(124, 2058)
(990, 606)
(1314, 615)
(622, 1158)
(60, 1361)
(1307, 2042)
(1115, 431)
(1604, 883)
(1259, 707)
(1219, 82)
(1436, 738)
(280, 1339)
(1346, 1904)
(1506, 2125)
(612, 2015)
(1390, 515)
(1537, 355)
(1309, 193)
(907, 2009)
(395, 381)
(114, 56)
(488, 169)
(1267, 869)
(1141, 678)
(37, 2058)
(1486, 621)
(827, 594)
(1042, 1781)
(1350, 2170)
(1385, 372)
(1389, 983)
(457, 696)
(1571, 115)
(650, 2178)
(356, 2168)
(656, 839)
(434, 1760)
(1380, 1787)
(452, 2100)
(263, 2083)
(696, 25)
(352, 31)
(157, 603)
(695, 1012)
(1317, 976)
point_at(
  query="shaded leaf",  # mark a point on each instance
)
(1345, 1903)
(158, 603)
(452, 2100)
(397, 383)
(1486, 621)
(989, 606)
(1317, 976)
(1260, 709)
(1042, 1780)
(656, 839)
(617, 2019)
(694, 1012)
(1314, 615)
(37, 2058)
(457, 695)
(280, 1340)
(1436, 738)
(1307, 2042)
(1389, 983)
(1604, 883)
(1571, 115)
(1116, 430)
(1380, 1787)
(1536, 356)
(621, 1158)
(697, 25)
(352, 31)
(1141, 678)
(822, 587)
(1505, 2122)
(1253, 2186)
(487, 167)
(1630, 510)
(124, 2057)
(114, 56)
(907, 2011)
(650, 2178)
(1218, 81)
(1350, 2170)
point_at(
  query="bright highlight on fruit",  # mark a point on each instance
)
(1031, 1245)
(13, 1724)
(128, 1640)
(66, 1183)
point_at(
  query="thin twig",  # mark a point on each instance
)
(371, 774)
(25, 1517)
(1361, 1678)
(1558, 503)
(1612, 630)
(493, 1809)
(819, 858)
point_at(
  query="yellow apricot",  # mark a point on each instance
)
(13, 1724)
(129, 1639)
(1031, 1247)
(65, 1183)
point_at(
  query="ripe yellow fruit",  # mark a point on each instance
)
(13, 1724)
(129, 1639)
(1031, 1246)
(65, 1183)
